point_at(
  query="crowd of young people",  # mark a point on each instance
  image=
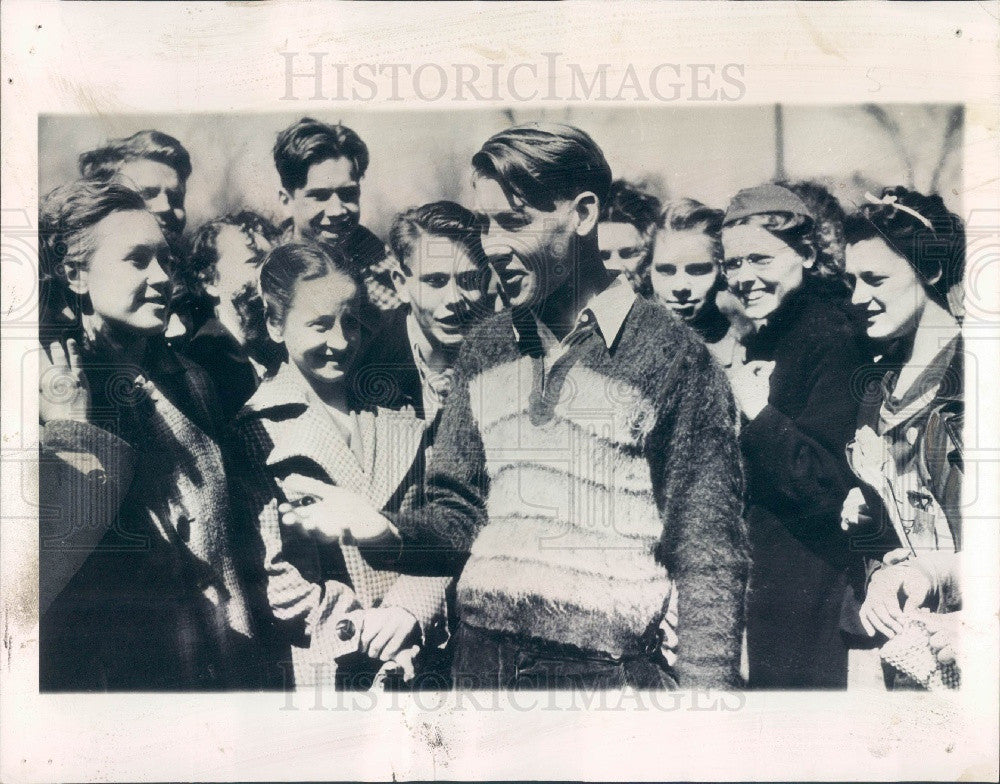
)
(563, 436)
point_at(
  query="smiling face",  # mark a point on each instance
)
(531, 249)
(442, 285)
(761, 269)
(124, 276)
(886, 289)
(622, 246)
(327, 207)
(161, 188)
(683, 272)
(322, 329)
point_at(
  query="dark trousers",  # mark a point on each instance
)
(485, 659)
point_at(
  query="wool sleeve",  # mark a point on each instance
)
(441, 516)
(796, 465)
(84, 473)
(698, 480)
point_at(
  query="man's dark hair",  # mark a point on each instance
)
(204, 256)
(628, 203)
(310, 141)
(105, 162)
(438, 219)
(545, 162)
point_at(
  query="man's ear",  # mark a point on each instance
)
(284, 198)
(587, 208)
(399, 278)
(274, 332)
(209, 286)
(76, 278)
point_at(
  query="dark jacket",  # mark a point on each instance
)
(794, 449)
(219, 354)
(797, 480)
(387, 375)
(166, 599)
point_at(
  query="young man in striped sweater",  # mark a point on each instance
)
(586, 481)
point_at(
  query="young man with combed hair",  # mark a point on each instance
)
(586, 480)
(440, 279)
(320, 167)
(155, 165)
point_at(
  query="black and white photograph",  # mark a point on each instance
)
(600, 401)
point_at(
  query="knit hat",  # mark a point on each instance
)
(765, 198)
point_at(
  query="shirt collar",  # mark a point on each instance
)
(607, 310)
(611, 307)
(419, 343)
(438, 383)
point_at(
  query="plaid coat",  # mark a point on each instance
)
(162, 600)
(290, 443)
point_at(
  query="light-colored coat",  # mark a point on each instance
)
(292, 442)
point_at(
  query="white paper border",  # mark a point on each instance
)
(114, 58)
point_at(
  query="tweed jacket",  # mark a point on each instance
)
(290, 441)
(162, 600)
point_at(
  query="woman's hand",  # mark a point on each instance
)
(63, 392)
(946, 635)
(335, 514)
(892, 591)
(855, 511)
(388, 630)
(751, 386)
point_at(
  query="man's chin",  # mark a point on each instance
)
(331, 235)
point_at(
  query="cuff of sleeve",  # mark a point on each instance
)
(425, 598)
(386, 553)
(67, 435)
(707, 676)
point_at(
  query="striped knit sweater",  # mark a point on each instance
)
(583, 497)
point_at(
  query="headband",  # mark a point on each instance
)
(891, 200)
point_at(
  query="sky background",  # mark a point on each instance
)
(706, 153)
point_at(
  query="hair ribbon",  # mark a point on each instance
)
(891, 200)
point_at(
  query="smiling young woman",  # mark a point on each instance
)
(156, 600)
(906, 256)
(306, 431)
(795, 394)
